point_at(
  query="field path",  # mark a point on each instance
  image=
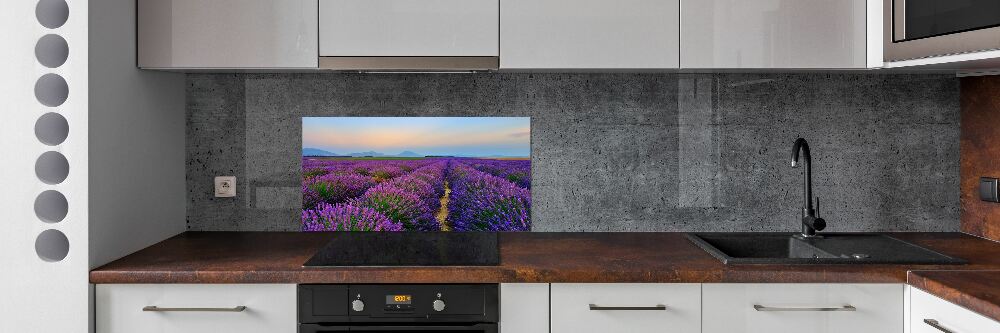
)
(442, 214)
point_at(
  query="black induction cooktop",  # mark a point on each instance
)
(408, 249)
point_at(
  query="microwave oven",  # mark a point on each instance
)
(915, 29)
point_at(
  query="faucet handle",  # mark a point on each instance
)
(817, 206)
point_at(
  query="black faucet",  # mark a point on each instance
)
(810, 221)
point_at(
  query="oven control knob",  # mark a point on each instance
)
(438, 305)
(358, 305)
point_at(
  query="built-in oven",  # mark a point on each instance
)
(387, 308)
(916, 29)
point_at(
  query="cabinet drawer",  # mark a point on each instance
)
(269, 308)
(821, 308)
(626, 308)
(946, 315)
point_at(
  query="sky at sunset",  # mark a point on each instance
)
(452, 136)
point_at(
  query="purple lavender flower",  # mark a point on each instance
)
(432, 175)
(421, 189)
(486, 195)
(344, 217)
(386, 172)
(398, 205)
(333, 188)
(483, 202)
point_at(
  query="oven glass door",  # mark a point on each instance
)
(931, 18)
(475, 328)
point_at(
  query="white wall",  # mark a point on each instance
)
(38, 295)
(137, 186)
(124, 187)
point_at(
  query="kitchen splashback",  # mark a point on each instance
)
(615, 152)
(424, 174)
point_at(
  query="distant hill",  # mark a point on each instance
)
(367, 153)
(409, 154)
(317, 152)
(378, 154)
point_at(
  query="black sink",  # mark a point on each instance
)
(837, 248)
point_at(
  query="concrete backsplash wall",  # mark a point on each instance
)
(616, 152)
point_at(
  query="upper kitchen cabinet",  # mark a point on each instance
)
(222, 34)
(781, 34)
(589, 34)
(406, 34)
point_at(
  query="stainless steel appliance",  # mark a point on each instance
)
(916, 29)
(470, 308)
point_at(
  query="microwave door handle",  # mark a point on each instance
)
(898, 19)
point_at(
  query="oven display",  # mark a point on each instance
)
(398, 299)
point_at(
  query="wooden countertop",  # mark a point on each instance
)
(978, 291)
(277, 257)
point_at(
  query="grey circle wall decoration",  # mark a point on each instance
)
(51, 129)
(52, 167)
(51, 206)
(52, 245)
(52, 13)
(51, 90)
(51, 51)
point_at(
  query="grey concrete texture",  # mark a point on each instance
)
(615, 152)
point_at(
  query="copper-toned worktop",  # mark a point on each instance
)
(277, 257)
(978, 291)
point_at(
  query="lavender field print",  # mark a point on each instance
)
(416, 174)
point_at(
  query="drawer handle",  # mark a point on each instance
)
(759, 307)
(154, 308)
(595, 307)
(935, 324)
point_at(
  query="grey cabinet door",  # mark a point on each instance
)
(239, 34)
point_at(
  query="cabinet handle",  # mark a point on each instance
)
(154, 308)
(759, 307)
(595, 307)
(935, 324)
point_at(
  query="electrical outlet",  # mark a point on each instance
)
(225, 187)
(988, 189)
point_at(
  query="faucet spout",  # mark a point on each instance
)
(810, 222)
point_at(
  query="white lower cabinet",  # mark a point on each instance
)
(524, 308)
(569, 308)
(803, 308)
(196, 308)
(626, 307)
(930, 314)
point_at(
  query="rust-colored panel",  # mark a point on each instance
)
(980, 151)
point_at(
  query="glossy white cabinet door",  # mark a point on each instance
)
(572, 313)
(227, 33)
(729, 308)
(924, 306)
(428, 28)
(270, 308)
(594, 34)
(524, 308)
(773, 34)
